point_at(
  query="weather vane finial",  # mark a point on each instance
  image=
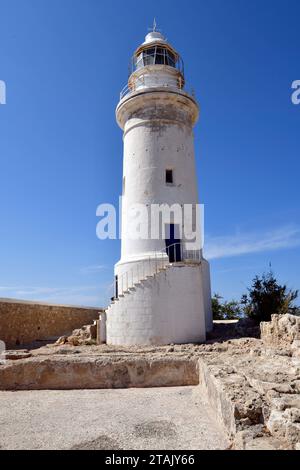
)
(154, 28)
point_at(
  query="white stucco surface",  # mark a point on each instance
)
(167, 308)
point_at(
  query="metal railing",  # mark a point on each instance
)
(141, 270)
(175, 253)
(140, 83)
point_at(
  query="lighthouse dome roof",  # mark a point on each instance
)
(154, 36)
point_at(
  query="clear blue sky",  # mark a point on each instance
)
(64, 63)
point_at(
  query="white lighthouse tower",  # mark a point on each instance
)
(162, 282)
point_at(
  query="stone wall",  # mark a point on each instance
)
(70, 372)
(24, 322)
(282, 330)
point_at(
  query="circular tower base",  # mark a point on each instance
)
(168, 307)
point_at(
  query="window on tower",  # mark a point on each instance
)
(149, 56)
(160, 56)
(170, 59)
(139, 61)
(169, 176)
(155, 55)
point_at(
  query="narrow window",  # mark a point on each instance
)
(123, 189)
(169, 176)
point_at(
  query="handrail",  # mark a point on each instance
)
(183, 255)
(151, 265)
(130, 89)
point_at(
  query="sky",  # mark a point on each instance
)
(64, 63)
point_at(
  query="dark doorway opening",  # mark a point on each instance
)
(173, 244)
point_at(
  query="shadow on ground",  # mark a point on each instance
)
(225, 330)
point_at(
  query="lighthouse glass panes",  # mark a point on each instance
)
(155, 55)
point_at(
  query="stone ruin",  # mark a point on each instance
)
(86, 335)
(252, 384)
(282, 331)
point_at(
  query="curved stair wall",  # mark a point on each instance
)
(160, 309)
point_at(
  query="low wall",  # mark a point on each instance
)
(68, 372)
(24, 322)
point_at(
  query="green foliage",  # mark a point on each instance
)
(225, 310)
(267, 297)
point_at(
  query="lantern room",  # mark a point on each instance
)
(155, 64)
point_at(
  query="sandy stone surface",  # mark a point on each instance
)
(251, 385)
(157, 418)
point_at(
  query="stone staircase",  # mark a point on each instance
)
(152, 267)
(138, 284)
(160, 301)
(161, 308)
(132, 312)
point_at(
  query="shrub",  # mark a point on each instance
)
(267, 297)
(225, 310)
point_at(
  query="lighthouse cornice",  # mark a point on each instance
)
(158, 103)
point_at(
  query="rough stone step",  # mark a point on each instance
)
(138, 284)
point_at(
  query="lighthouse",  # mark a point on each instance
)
(162, 282)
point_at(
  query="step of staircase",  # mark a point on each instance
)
(138, 284)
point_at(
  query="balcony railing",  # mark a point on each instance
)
(172, 255)
(140, 83)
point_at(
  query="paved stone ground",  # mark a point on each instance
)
(156, 418)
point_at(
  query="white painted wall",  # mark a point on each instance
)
(205, 276)
(168, 308)
(157, 136)
(155, 76)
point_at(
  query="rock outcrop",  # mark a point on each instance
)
(87, 335)
(255, 392)
(282, 331)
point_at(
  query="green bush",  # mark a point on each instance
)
(225, 310)
(267, 297)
